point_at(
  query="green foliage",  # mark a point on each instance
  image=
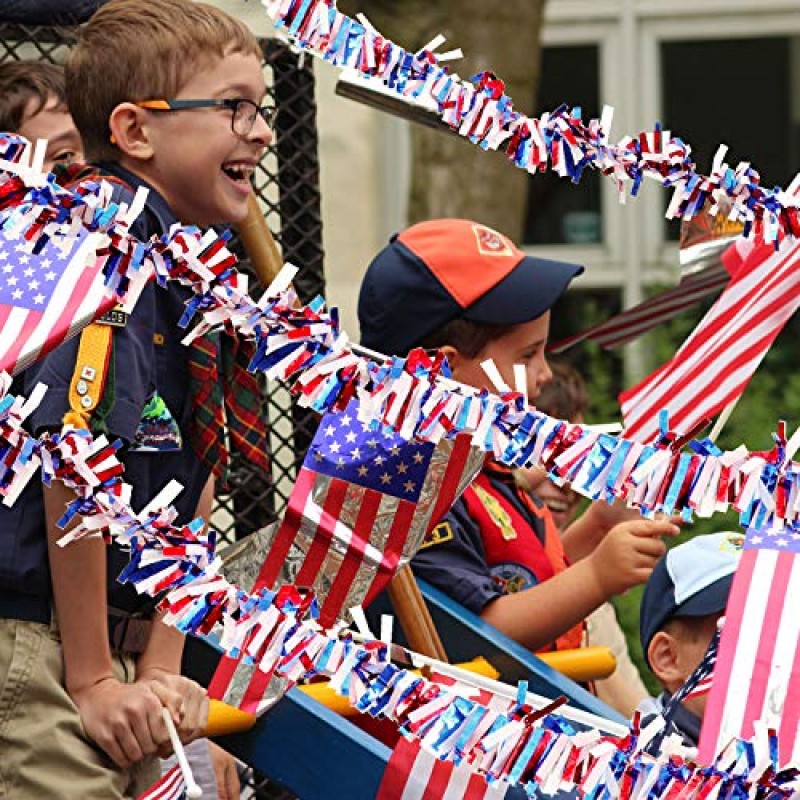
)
(601, 369)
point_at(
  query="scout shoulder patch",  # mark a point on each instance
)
(92, 367)
(439, 535)
(499, 515)
(511, 578)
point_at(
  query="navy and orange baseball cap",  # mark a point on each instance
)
(446, 269)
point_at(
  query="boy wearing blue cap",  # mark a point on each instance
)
(462, 287)
(682, 603)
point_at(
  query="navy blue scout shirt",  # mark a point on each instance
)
(453, 557)
(496, 540)
(148, 355)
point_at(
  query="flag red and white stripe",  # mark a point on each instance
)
(757, 675)
(172, 786)
(362, 503)
(46, 298)
(414, 773)
(704, 687)
(325, 509)
(633, 322)
(713, 366)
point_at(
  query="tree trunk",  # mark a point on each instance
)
(452, 177)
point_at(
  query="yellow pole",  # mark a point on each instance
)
(223, 719)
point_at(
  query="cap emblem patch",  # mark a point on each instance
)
(491, 243)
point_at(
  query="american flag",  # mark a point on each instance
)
(757, 676)
(625, 327)
(46, 298)
(172, 786)
(363, 501)
(414, 773)
(713, 366)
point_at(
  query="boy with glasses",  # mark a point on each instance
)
(82, 699)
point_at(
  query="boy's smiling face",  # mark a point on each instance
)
(193, 157)
(562, 501)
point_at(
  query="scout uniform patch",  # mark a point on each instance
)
(116, 317)
(499, 515)
(521, 544)
(438, 535)
(157, 432)
(92, 367)
(511, 578)
(91, 390)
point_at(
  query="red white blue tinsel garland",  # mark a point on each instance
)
(560, 140)
(507, 741)
(305, 347)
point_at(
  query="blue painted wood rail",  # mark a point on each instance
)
(319, 755)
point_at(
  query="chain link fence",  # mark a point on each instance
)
(287, 185)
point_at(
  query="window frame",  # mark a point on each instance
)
(657, 249)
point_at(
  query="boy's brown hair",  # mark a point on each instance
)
(23, 81)
(564, 396)
(133, 50)
(469, 338)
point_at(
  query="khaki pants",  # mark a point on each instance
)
(44, 751)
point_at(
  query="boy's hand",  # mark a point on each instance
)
(607, 515)
(228, 786)
(124, 719)
(186, 700)
(627, 554)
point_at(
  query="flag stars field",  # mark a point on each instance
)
(369, 456)
(45, 297)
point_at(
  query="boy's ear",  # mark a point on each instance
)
(664, 660)
(130, 132)
(451, 354)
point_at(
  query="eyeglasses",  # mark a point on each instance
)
(244, 111)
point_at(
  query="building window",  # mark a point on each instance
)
(744, 93)
(560, 212)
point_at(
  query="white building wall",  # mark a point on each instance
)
(353, 191)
